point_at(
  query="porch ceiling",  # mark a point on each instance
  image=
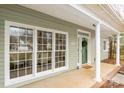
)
(104, 13)
(106, 32)
(68, 13)
(64, 12)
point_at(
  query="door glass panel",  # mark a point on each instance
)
(84, 50)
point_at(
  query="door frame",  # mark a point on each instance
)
(79, 63)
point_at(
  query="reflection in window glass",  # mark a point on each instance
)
(60, 50)
(13, 56)
(21, 47)
(44, 57)
(21, 51)
(13, 47)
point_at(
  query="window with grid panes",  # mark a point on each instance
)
(25, 42)
(44, 51)
(21, 49)
(60, 50)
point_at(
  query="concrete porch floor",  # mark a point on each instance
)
(82, 78)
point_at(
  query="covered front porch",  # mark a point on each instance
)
(79, 78)
(99, 72)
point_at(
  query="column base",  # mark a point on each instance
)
(98, 79)
(118, 65)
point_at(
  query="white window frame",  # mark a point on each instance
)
(107, 45)
(34, 74)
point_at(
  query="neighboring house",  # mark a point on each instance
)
(37, 41)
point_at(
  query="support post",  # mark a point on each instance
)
(98, 61)
(118, 50)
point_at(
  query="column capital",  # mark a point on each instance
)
(98, 79)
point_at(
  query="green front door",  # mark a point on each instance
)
(84, 50)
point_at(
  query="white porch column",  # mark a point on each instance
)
(118, 50)
(98, 61)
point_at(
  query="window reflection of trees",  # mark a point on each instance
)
(21, 43)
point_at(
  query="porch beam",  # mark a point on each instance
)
(118, 50)
(98, 61)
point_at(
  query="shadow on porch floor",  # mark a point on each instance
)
(82, 78)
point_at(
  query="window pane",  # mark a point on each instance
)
(21, 72)
(13, 74)
(44, 54)
(22, 68)
(30, 32)
(39, 33)
(22, 31)
(29, 70)
(21, 56)
(40, 55)
(21, 64)
(29, 55)
(13, 56)
(44, 67)
(13, 65)
(49, 35)
(44, 47)
(14, 39)
(49, 60)
(22, 40)
(44, 40)
(64, 42)
(13, 47)
(49, 66)
(29, 40)
(39, 47)
(44, 34)
(40, 41)
(14, 31)
(28, 63)
(29, 47)
(49, 47)
(49, 54)
(40, 62)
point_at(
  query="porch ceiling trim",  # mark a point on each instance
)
(81, 9)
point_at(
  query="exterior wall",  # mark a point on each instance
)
(93, 50)
(1, 53)
(20, 14)
(104, 55)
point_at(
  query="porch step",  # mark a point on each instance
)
(121, 72)
(106, 78)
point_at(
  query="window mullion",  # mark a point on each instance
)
(35, 53)
(53, 51)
